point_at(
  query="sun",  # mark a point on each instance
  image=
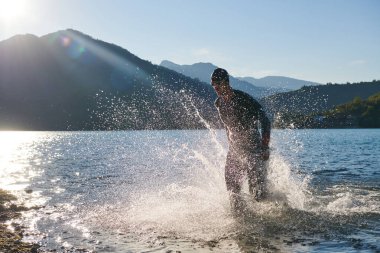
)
(12, 9)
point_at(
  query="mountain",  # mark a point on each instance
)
(320, 98)
(258, 88)
(279, 82)
(69, 81)
(203, 71)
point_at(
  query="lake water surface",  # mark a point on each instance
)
(164, 191)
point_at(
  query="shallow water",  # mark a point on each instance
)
(148, 191)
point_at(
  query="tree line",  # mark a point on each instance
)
(358, 113)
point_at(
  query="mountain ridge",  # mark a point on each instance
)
(283, 82)
(203, 71)
(263, 86)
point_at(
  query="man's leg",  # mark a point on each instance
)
(257, 171)
(234, 176)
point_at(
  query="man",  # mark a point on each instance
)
(243, 118)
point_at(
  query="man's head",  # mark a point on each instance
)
(220, 82)
(219, 75)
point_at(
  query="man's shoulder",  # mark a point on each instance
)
(243, 94)
(246, 97)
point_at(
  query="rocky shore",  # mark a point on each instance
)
(11, 236)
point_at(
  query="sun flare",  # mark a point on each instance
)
(12, 9)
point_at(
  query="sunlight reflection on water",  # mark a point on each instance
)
(23, 156)
(16, 161)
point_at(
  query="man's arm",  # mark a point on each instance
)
(257, 110)
(265, 128)
(265, 133)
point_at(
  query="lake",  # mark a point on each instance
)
(164, 191)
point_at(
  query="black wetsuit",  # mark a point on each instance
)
(243, 118)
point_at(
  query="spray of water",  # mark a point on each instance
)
(198, 208)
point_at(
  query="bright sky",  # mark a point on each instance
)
(322, 41)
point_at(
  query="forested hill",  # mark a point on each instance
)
(320, 98)
(357, 113)
(69, 81)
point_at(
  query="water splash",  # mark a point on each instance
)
(152, 108)
(197, 208)
(285, 186)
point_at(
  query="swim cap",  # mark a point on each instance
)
(219, 74)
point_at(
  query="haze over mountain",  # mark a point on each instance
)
(68, 80)
(279, 82)
(262, 87)
(203, 71)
